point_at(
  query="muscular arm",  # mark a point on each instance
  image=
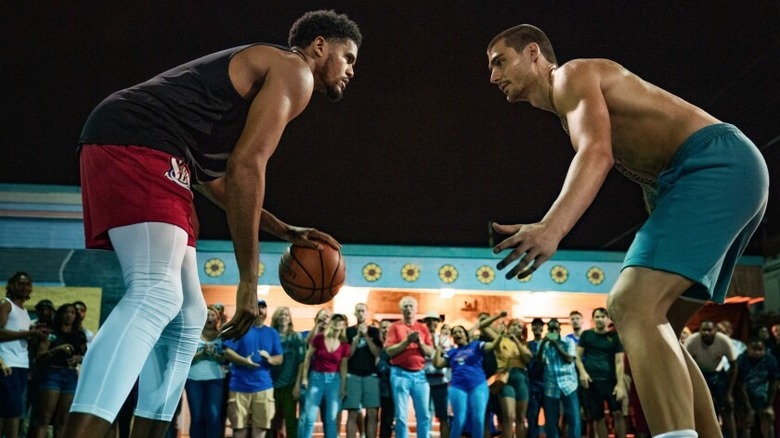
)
(580, 98)
(285, 92)
(582, 101)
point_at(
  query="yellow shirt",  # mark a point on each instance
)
(508, 355)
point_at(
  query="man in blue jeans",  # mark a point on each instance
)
(408, 343)
(558, 357)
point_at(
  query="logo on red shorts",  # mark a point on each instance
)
(179, 173)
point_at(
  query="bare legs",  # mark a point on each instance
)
(649, 315)
(513, 417)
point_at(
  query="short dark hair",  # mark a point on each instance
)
(599, 309)
(520, 36)
(575, 312)
(554, 321)
(537, 321)
(326, 24)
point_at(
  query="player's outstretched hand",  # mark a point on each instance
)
(311, 238)
(533, 245)
(246, 312)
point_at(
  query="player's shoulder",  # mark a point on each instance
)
(587, 65)
(585, 73)
(261, 59)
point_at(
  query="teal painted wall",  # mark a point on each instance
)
(41, 232)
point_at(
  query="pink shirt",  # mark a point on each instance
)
(327, 361)
(412, 357)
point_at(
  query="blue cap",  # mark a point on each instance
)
(262, 303)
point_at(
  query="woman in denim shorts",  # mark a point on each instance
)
(57, 360)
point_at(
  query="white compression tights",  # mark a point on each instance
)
(153, 331)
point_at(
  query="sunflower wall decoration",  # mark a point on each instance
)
(260, 269)
(559, 274)
(372, 272)
(525, 279)
(410, 272)
(448, 274)
(486, 274)
(595, 275)
(214, 267)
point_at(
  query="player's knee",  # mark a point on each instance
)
(618, 306)
(160, 303)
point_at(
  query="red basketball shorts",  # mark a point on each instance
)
(125, 185)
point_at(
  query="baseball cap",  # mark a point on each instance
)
(44, 303)
(261, 303)
(431, 315)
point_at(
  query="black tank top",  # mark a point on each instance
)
(191, 111)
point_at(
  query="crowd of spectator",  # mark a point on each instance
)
(492, 378)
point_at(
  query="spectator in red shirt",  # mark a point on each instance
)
(408, 343)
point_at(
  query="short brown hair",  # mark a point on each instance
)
(520, 36)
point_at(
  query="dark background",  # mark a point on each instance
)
(422, 150)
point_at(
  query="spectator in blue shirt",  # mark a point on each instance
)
(468, 392)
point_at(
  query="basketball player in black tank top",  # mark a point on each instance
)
(218, 120)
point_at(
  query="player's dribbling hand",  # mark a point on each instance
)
(533, 245)
(311, 238)
(246, 312)
(6, 370)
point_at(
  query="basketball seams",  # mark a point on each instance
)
(302, 265)
(313, 288)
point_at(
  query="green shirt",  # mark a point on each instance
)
(599, 354)
(294, 348)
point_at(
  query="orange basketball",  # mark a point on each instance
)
(310, 276)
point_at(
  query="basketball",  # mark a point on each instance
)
(310, 276)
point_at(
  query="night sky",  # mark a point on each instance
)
(422, 150)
